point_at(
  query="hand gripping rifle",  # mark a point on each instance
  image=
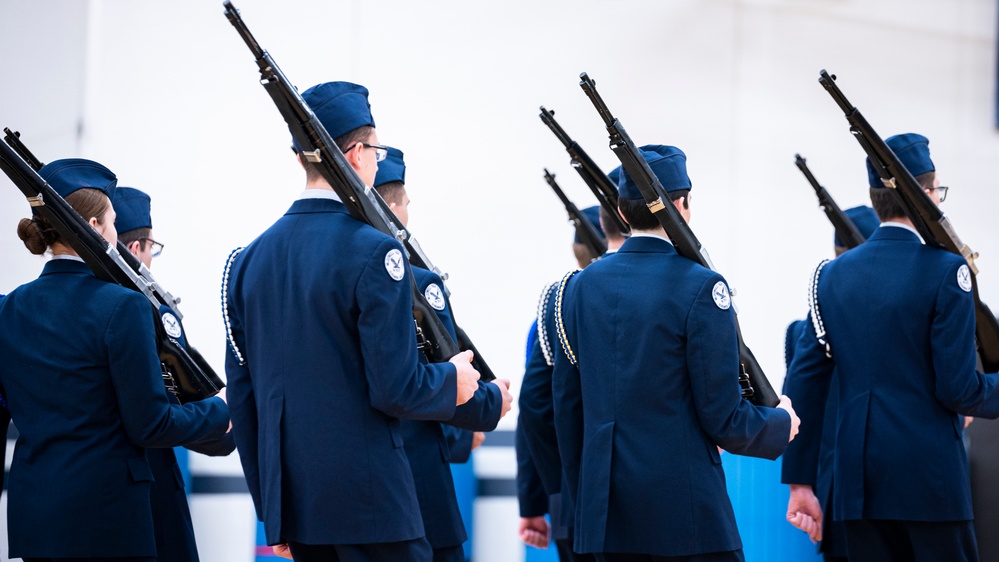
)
(363, 203)
(185, 372)
(584, 228)
(846, 231)
(755, 385)
(929, 220)
(598, 182)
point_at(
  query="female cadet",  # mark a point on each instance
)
(83, 385)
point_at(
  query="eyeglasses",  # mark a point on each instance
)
(157, 248)
(943, 192)
(381, 152)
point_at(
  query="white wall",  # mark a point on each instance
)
(166, 95)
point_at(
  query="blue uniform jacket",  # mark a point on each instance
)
(821, 477)
(655, 390)
(427, 446)
(83, 383)
(320, 309)
(902, 332)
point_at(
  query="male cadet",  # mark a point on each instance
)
(898, 317)
(426, 446)
(171, 514)
(826, 530)
(646, 389)
(324, 362)
(536, 423)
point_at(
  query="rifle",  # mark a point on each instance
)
(755, 385)
(598, 182)
(185, 372)
(584, 228)
(847, 232)
(363, 203)
(926, 217)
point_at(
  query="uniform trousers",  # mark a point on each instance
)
(912, 541)
(417, 550)
(565, 553)
(449, 554)
(727, 556)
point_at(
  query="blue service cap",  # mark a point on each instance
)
(592, 213)
(913, 151)
(340, 106)
(615, 175)
(393, 168)
(668, 163)
(132, 209)
(864, 218)
(70, 174)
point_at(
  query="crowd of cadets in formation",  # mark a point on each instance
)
(345, 431)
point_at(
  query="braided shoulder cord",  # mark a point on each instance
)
(813, 305)
(225, 306)
(560, 325)
(546, 346)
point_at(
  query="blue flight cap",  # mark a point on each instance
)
(864, 218)
(615, 175)
(912, 150)
(340, 106)
(393, 168)
(668, 163)
(70, 174)
(132, 209)
(592, 213)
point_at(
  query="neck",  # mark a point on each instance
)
(658, 231)
(60, 249)
(902, 220)
(318, 183)
(615, 244)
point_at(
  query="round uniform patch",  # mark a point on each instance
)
(434, 296)
(720, 293)
(964, 278)
(171, 325)
(393, 265)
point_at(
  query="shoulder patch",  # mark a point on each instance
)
(720, 295)
(171, 325)
(434, 296)
(964, 278)
(394, 265)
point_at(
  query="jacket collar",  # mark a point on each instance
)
(647, 245)
(306, 206)
(895, 233)
(66, 266)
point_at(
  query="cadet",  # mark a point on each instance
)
(82, 379)
(646, 389)
(900, 469)
(426, 446)
(171, 514)
(319, 314)
(536, 424)
(829, 532)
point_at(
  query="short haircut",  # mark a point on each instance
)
(392, 192)
(888, 204)
(347, 140)
(638, 215)
(609, 225)
(134, 235)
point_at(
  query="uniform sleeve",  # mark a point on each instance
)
(732, 422)
(952, 334)
(149, 419)
(459, 442)
(481, 412)
(398, 384)
(531, 496)
(537, 419)
(568, 408)
(4, 422)
(807, 385)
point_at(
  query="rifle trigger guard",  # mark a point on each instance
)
(37, 201)
(313, 156)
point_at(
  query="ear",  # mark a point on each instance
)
(93, 222)
(622, 216)
(678, 203)
(135, 246)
